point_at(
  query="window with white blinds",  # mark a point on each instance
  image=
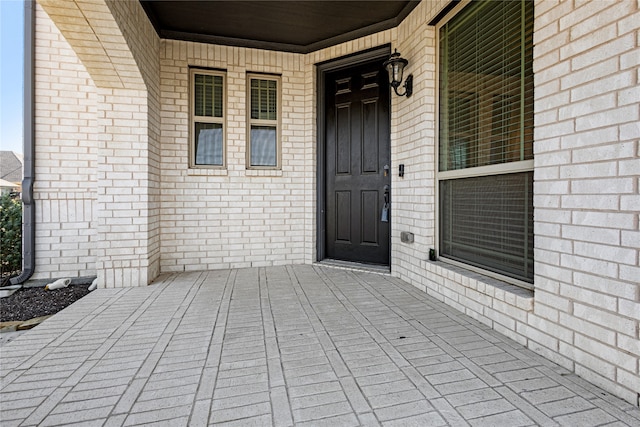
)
(264, 106)
(485, 150)
(207, 118)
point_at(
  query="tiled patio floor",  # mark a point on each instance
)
(301, 345)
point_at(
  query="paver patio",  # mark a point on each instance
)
(295, 345)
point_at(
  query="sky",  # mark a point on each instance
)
(11, 74)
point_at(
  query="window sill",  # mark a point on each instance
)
(206, 172)
(489, 286)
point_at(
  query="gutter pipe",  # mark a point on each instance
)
(28, 145)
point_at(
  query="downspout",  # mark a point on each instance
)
(28, 145)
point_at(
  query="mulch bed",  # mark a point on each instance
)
(27, 303)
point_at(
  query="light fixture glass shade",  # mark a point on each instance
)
(395, 72)
(395, 68)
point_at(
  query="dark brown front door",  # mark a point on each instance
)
(358, 178)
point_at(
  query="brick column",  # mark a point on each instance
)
(128, 242)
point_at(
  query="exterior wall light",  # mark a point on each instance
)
(395, 67)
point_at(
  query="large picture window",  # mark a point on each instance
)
(207, 119)
(263, 149)
(485, 150)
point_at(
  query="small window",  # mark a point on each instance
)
(207, 119)
(263, 146)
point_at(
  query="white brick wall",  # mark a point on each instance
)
(122, 82)
(580, 162)
(129, 154)
(65, 158)
(413, 144)
(125, 202)
(234, 217)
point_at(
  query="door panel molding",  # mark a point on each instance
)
(370, 211)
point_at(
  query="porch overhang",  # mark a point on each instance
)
(289, 26)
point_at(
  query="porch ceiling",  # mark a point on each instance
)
(290, 26)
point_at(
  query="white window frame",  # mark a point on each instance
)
(193, 119)
(476, 172)
(277, 123)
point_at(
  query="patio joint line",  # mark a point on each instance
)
(68, 333)
(140, 378)
(356, 399)
(416, 378)
(281, 411)
(281, 344)
(533, 360)
(92, 359)
(320, 330)
(210, 369)
(378, 337)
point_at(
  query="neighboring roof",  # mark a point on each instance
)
(11, 166)
(6, 184)
(292, 26)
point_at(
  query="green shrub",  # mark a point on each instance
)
(10, 235)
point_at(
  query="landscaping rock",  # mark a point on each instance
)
(29, 303)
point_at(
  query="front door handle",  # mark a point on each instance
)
(386, 207)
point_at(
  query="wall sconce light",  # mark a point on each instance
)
(395, 67)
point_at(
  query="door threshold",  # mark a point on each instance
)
(356, 266)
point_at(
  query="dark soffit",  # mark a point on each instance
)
(290, 26)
